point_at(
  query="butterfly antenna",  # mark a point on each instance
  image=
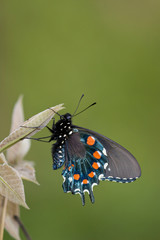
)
(78, 105)
(85, 109)
(55, 112)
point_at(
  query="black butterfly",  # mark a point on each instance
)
(89, 157)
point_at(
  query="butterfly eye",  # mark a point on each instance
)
(67, 116)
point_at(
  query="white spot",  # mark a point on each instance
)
(60, 151)
(64, 135)
(61, 129)
(60, 156)
(86, 190)
(130, 178)
(64, 179)
(62, 142)
(113, 181)
(99, 153)
(70, 132)
(78, 193)
(68, 123)
(61, 124)
(69, 127)
(101, 176)
(77, 189)
(65, 126)
(104, 152)
(110, 176)
(94, 184)
(109, 169)
(98, 164)
(70, 179)
(118, 178)
(60, 136)
(60, 146)
(105, 165)
(68, 191)
(124, 178)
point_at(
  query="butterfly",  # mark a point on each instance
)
(88, 157)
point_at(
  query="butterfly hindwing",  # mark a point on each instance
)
(84, 172)
(122, 165)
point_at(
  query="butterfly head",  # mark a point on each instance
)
(67, 117)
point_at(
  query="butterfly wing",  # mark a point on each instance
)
(85, 165)
(122, 165)
(91, 157)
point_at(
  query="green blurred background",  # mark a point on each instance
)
(52, 52)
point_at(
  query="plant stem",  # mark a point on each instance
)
(2, 217)
(17, 219)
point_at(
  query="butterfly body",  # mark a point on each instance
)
(88, 157)
(60, 133)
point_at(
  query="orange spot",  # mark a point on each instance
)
(91, 174)
(85, 181)
(76, 176)
(97, 155)
(70, 167)
(95, 165)
(90, 141)
(64, 168)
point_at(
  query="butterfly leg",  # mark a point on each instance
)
(49, 129)
(39, 139)
(53, 126)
